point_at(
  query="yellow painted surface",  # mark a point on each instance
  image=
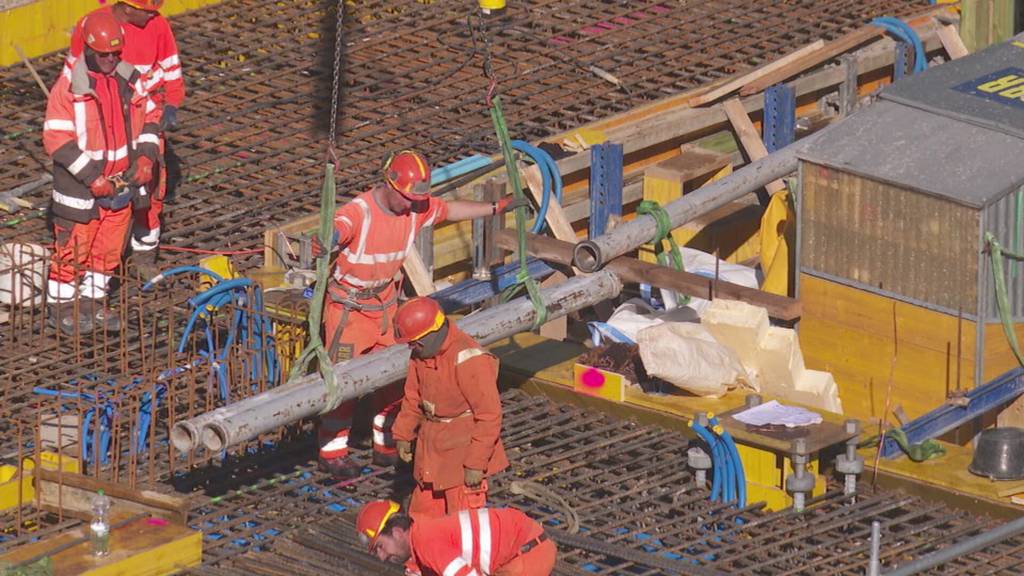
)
(10, 493)
(601, 383)
(850, 333)
(144, 547)
(777, 235)
(45, 25)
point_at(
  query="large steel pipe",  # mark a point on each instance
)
(307, 397)
(593, 254)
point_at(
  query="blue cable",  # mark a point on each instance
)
(741, 476)
(179, 270)
(551, 179)
(905, 33)
(709, 439)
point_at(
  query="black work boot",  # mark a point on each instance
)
(62, 317)
(101, 316)
(343, 468)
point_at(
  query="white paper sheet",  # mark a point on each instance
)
(774, 413)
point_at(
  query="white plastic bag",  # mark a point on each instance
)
(688, 357)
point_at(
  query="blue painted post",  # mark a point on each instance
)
(779, 128)
(901, 65)
(605, 186)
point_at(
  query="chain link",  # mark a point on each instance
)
(336, 83)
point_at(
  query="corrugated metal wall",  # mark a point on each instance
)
(890, 238)
(1003, 219)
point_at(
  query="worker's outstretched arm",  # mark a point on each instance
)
(477, 375)
(467, 210)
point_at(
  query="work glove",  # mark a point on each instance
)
(169, 119)
(140, 172)
(473, 478)
(404, 450)
(509, 203)
(101, 187)
(318, 247)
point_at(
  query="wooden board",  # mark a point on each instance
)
(849, 332)
(761, 72)
(951, 41)
(142, 547)
(813, 58)
(73, 494)
(749, 137)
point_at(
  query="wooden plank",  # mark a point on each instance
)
(418, 275)
(753, 75)
(73, 494)
(951, 41)
(749, 138)
(840, 45)
(1012, 490)
(555, 217)
(633, 270)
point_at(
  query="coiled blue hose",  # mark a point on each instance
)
(550, 177)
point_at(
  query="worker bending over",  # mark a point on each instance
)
(374, 234)
(150, 47)
(101, 131)
(487, 541)
(452, 408)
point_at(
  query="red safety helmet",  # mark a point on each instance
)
(372, 518)
(151, 5)
(408, 173)
(102, 32)
(417, 318)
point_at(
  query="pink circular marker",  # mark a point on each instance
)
(592, 378)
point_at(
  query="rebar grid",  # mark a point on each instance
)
(250, 154)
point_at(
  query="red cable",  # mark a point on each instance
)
(220, 252)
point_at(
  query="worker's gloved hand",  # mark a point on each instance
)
(404, 450)
(101, 187)
(141, 172)
(318, 247)
(510, 203)
(473, 478)
(169, 119)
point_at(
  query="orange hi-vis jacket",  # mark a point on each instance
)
(473, 542)
(374, 244)
(96, 125)
(451, 403)
(152, 50)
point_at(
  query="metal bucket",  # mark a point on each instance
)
(999, 454)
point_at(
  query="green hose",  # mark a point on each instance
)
(997, 253)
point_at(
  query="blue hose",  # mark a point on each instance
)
(551, 178)
(741, 476)
(719, 474)
(178, 270)
(902, 31)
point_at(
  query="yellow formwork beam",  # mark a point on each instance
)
(43, 26)
(15, 491)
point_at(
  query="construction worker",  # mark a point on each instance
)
(488, 541)
(149, 47)
(101, 131)
(373, 235)
(452, 407)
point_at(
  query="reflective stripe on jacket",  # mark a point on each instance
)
(473, 542)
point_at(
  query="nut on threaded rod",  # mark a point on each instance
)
(800, 482)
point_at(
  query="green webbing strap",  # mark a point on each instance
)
(315, 348)
(997, 253)
(523, 277)
(664, 232)
(926, 450)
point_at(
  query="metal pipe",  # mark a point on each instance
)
(875, 566)
(593, 254)
(308, 397)
(959, 549)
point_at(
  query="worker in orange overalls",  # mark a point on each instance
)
(101, 130)
(452, 408)
(150, 47)
(498, 541)
(374, 233)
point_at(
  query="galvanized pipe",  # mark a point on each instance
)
(308, 397)
(593, 254)
(959, 549)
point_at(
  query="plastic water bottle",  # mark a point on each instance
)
(99, 529)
